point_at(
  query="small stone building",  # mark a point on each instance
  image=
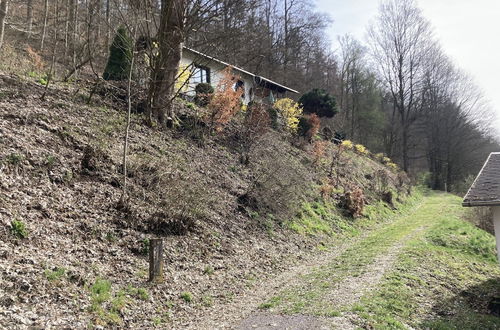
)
(485, 191)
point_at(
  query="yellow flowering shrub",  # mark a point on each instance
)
(347, 144)
(386, 160)
(393, 166)
(291, 111)
(361, 149)
(182, 82)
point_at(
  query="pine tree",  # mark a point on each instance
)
(320, 102)
(120, 54)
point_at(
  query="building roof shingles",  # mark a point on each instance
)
(485, 191)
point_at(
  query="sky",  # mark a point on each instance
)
(469, 32)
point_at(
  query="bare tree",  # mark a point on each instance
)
(400, 41)
(166, 65)
(352, 57)
(4, 5)
(45, 19)
(29, 16)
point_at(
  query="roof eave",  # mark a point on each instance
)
(474, 183)
(276, 84)
(481, 203)
(240, 69)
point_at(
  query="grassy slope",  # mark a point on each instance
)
(443, 277)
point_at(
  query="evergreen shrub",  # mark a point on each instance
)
(120, 56)
(320, 102)
(204, 92)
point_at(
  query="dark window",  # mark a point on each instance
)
(201, 74)
(240, 84)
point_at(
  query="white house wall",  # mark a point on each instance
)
(496, 224)
(216, 73)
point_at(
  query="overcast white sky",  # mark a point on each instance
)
(469, 31)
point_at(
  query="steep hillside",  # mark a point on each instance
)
(70, 255)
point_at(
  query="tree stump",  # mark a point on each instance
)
(156, 260)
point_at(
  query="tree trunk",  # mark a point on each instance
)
(124, 197)
(108, 24)
(4, 6)
(74, 32)
(66, 27)
(51, 73)
(405, 148)
(45, 18)
(29, 16)
(164, 73)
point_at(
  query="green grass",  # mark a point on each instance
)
(314, 218)
(142, 294)
(55, 275)
(106, 307)
(324, 218)
(207, 301)
(18, 229)
(442, 280)
(209, 270)
(310, 296)
(14, 158)
(187, 296)
(100, 291)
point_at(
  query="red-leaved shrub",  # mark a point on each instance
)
(354, 202)
(318, 151)
(225, 102)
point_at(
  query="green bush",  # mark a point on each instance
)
(187, 296)
(304, 126)
(273, 116)
(320, 102)
(15, 159)
(120, 56)
(308, 126)
(204, 92)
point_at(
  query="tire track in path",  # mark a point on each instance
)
(243, 307)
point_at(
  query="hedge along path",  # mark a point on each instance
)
(329, 290)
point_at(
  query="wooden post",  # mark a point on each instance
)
(496, 224)
(156, 260)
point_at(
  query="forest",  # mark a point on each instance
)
(397, 92)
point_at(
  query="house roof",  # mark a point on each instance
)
(485, 191)
(258, 79)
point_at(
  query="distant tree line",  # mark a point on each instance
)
(398, 93)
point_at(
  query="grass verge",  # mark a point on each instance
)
(310, 295)
(443, 279)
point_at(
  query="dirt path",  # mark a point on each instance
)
(243, 306)
(243, 312)
(345, 293)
